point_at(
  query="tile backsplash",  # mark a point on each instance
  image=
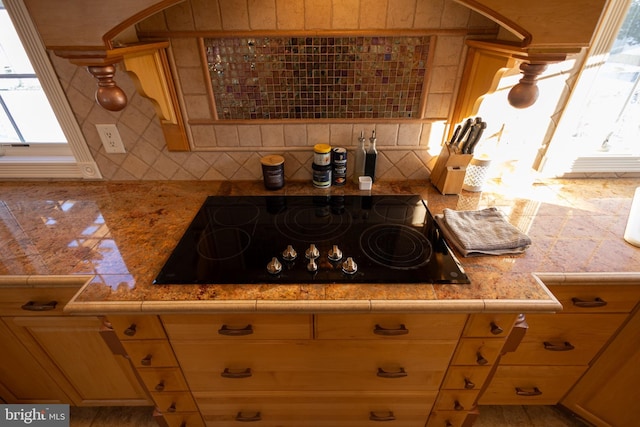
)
(317, 77)
(231, 150)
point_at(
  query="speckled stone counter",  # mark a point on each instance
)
(118, 236)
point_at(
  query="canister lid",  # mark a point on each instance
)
(322, 148)
(272, 160)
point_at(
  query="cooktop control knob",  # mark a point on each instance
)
(312, 252)
(289, 254)
(335, 254)
(312, 266)
(349, 266)
(274, 266)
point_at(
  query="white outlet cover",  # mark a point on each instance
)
(110, 138)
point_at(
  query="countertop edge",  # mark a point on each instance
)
(341, 306)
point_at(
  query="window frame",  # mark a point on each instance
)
(43, 160)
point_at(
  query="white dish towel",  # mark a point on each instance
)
(481, 232)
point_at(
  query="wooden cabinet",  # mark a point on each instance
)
(476, 353)
(607, 394)
(322, 370)
(559, 348)
(22, 378)
(48, 356)
(145, 342)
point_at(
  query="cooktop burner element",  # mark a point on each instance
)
(312, 239)
(395, 246)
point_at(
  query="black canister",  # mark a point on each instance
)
(273, 171)
(321, 175)
(339, 164)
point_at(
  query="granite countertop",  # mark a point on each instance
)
(119, 234)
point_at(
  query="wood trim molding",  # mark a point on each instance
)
(152, 76)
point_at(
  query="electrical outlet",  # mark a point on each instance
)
(110, 138)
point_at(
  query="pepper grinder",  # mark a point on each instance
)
(371, 157)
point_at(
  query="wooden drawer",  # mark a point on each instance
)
(174, 401)
(150, 353)
(334, 409)
(183, 419)
(456, 400)
(14, 294)
(477, 351)
(137, 327)
(489, 325)
(596, 298)
(563, 339)
(537, 385)
(390, 326)
(314, 365)
(447, 419)
(238, 326)
(163, 379)
(466, 377)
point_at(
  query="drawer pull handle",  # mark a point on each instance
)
(159, 386)
(172, 408)
(468, 384)
(386, 374)
(131, 330)
(146, 361)
(596, 302)
(565, 346)
(448, 424)
(458, 406)
(236, 373)
(248, 418)
(495, 329)
(480, 359)
(39, 306)
(388, 416)
(391, 332)
(535, 391)
(235, 332)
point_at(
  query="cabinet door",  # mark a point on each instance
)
(87, 369)
(607, 394)
(22, 378)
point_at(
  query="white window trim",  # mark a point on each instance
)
(51, 161)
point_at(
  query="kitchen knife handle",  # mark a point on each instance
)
(235, 332)
(397, 374)
(388, 332)
(388, 416)
(565, 346)
(596, 302)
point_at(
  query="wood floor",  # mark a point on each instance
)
(490, 416)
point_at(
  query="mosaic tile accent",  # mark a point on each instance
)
(318, 77)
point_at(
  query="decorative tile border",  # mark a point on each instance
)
(318, 77)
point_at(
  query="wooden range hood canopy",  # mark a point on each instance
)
(90, 33)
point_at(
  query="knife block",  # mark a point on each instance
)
(449, 171)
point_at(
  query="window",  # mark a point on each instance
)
(39, 136)
(600, 129)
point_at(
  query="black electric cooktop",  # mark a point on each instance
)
(312, 239)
